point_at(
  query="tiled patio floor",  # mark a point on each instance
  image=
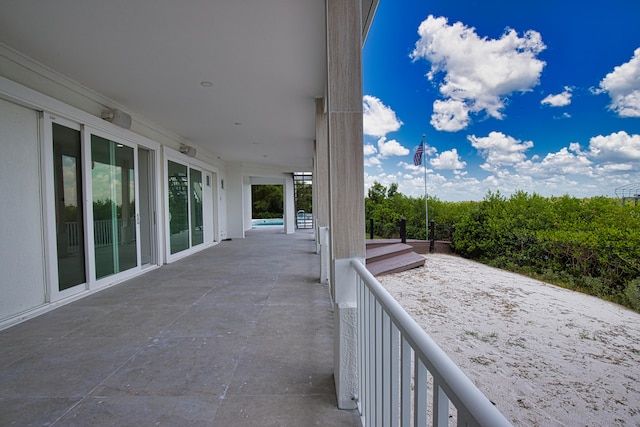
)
(240, 334)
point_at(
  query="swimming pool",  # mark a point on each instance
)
(267, 222)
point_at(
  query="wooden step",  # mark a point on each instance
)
(395, 264)
(387, 251)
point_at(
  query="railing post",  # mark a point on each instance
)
(432, 236)
(403, 229)
(453, 231)
(371, 228)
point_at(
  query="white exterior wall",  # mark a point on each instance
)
(21, 251)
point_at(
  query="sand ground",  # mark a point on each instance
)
(546, 356)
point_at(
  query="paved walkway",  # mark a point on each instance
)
(240, 334)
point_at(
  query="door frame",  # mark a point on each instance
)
(206, 169)
(150, 203)
(52, 291)
(49, 207)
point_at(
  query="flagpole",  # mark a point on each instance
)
(426, 196)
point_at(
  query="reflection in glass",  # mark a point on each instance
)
(113, 184)
(67, 167)
(178, 207)
(196, 206)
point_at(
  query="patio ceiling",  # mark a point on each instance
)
(235, 79)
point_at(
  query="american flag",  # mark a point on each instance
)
(417, 158)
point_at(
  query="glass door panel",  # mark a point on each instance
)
(196, 206)
(146, 209)
(67, 169)
(178, 207)
(114, 213)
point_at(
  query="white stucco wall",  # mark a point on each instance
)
(21, 248)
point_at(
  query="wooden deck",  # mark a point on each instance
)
(392, 258)
(419, 246)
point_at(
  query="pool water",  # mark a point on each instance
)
(266, 222)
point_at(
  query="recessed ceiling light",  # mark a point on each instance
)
(206, 84)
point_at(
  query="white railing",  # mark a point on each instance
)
(405, 379)
(102, 233)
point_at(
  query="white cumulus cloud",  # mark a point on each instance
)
(448, 160)
(616, 147)
(559, 100)
(478, 72)
(372, 162)
(450, 115)
(391, 148)
(369, 149)
(378, 119)
(566, 161)
(499, 149)
(623, 86)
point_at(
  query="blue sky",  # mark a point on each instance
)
(541, 96)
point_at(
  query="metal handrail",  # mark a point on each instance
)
(385, 394)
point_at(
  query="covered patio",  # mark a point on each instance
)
(238, 334)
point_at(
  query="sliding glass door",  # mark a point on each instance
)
(196, 206)
(114, 210)
(186, 227)
(70, 242)
(178, 186)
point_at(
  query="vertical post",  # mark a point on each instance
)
(432, 236)
(426, 193)
(403, 230)
(321, 168)
(235, 191)
(289, 204)
(346, 184)
(453, 231)
(371, 228)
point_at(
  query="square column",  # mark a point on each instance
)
(234, 187)
(321, 188)
(289, 205)
(346, 184)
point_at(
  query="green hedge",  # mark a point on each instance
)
(590, 245)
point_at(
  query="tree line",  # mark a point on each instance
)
(590, 245)
(268, 199)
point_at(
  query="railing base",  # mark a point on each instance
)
(346, 354)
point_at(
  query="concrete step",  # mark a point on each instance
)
(395, 264)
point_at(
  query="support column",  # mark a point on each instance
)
(321, 189)
(346, 184)
(234, 187)
(247, 203)
(289, 205)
